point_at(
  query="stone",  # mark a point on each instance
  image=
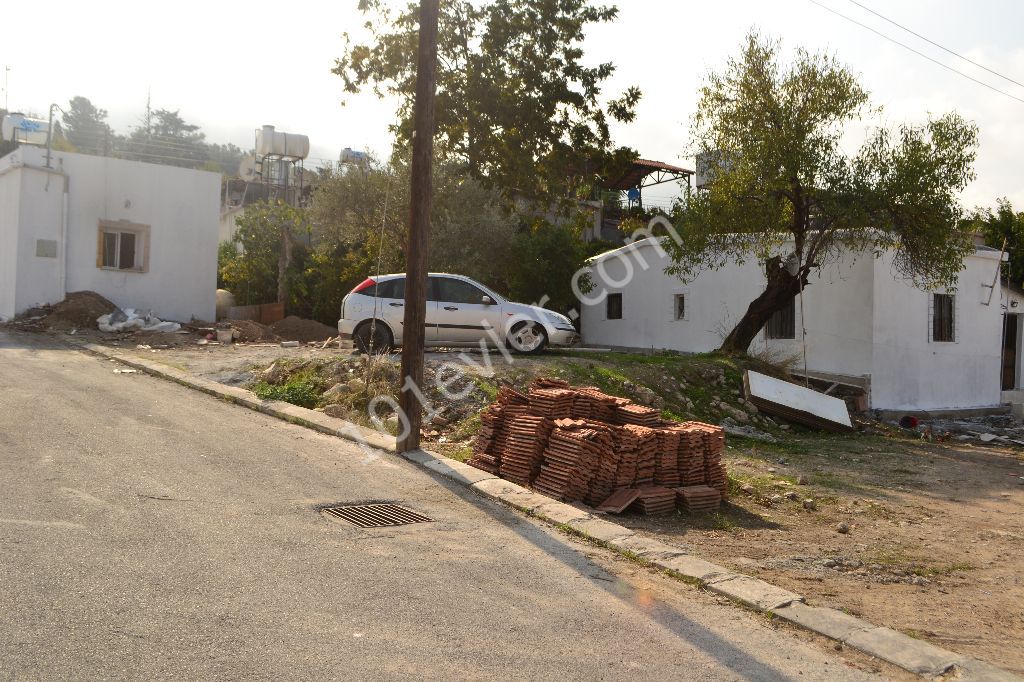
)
(274, 374)
(356, 385)
(843, 527)
(802, 480)
(776, 499)
(335, 391)
(748, 489)
(810, 504)
(829, 563)
(792, 496)
(337, 411)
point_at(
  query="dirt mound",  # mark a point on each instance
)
(249, 331)
(78, 311)
(294, 328)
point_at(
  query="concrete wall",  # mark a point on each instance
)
(861, 320)
(912, 371)
(180, 206)
(10, 195)
(39, 213)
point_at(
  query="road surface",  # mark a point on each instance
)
(150, 531)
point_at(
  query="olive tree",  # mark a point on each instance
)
(785, 190)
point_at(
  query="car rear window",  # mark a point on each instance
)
(392, 288)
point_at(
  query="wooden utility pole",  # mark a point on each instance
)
(421, 191)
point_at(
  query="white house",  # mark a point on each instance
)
(910, 349)
(140, 234)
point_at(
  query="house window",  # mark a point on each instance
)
(943, 320)
(614, 309)
(123, 246)
(680, 306)
(782, 323)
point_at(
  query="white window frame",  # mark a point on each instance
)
(120, 227)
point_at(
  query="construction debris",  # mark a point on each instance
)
(580, 444)
(796, 403)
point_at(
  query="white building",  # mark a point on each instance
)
(142, 235)
(909, 349)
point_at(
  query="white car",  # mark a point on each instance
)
(460, 312)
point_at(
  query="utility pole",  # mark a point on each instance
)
(421, 191)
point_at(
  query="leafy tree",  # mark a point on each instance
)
(266, 260)
(1003, 224)
(85, 126)
(542, 264)
(782, 176)
(166, 138)
(516, 106)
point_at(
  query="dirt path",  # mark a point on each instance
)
(933, 547)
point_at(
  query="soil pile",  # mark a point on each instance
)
(249, 331)
(294, 328)
(78, 311)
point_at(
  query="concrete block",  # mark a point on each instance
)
(906, 652)
(972, 670)
(753, 592)
(559, 512)
(601, 530)
(457, 471)
(512, 494)
(692, 567)
(824, 621)
(650, 549)
(419, 456)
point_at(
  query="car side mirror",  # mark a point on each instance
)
(487, 300)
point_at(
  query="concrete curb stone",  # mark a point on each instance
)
(884, 643)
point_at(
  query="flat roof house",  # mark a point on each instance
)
(910, 349)
(140, 234)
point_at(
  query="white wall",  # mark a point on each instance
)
(861, 320)
(39, 215)
(181, 206)
(10, 194)
(912, 372)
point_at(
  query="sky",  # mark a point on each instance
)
(232, 68)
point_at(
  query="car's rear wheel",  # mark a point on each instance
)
(373, 337)
(527, 338)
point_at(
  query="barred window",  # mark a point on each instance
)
(614, 306)
(943, 322)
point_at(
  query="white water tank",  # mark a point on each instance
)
(21, 128)
(270, 142)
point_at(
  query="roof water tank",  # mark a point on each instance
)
(21, 128)
(349, 155)
(270, 142)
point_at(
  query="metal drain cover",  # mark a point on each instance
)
(376, 515)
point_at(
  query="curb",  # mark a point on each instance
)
(886, 644)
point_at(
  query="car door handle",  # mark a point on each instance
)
(396, 305)
(450, 307)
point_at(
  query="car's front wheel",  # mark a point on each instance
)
(527, 338)
(373, 337)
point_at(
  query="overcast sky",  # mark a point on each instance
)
(231, 67)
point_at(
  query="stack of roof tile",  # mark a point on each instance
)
(698, 498)
(582, 444)
(524, 449)
(666, 465)
(591, 403)
(656, 500)
(637, 414)
(553, 403)
(570, 460)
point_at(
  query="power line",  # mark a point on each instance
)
(941, 47)
(920, 54)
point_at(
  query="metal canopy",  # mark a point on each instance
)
(646, 173)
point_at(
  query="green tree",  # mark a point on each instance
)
(166, 138)
(541, 266)
(85, 126)
(516, 107)
(1003, 224)
(781, 176)
(266, 259)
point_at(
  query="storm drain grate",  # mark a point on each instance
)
(377, 515)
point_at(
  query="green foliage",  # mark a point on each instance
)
(85, 126)
(1004, 223)
(516, 105)
(542, 264)
(248, 265)
(782, 175)
(302, 388)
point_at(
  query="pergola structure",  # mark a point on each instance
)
(646, 173)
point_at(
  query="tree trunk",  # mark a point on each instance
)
(284, 260)
(781, 288)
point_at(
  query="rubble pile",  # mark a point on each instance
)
(579, 444)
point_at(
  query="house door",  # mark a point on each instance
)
(1011, 329)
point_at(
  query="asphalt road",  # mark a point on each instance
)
(149, 531)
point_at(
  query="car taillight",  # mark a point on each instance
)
(365, 284)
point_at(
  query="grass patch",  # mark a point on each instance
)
(303, 388)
